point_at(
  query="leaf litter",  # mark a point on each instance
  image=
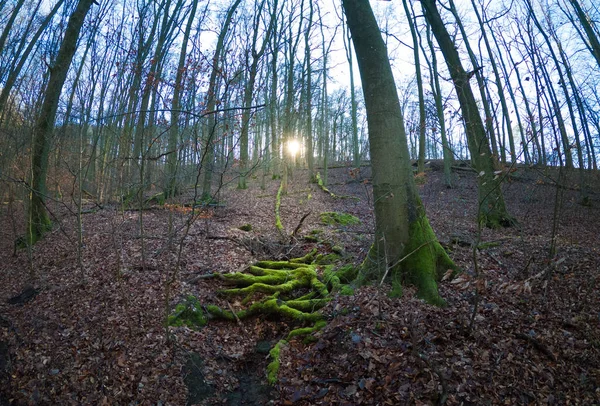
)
(102, 340)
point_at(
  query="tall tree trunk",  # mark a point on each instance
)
(499, 87)
(310, 157)
(9, 23)
(554, 98)
(447, 152)
(353, 104)
(249, 88)
(211, 102)
(38, 221)
(481, 83)
(492, 210)
(404, 244)
(422, 125)
(292, 42)
(172, 185)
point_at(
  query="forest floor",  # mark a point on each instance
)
(94, 334)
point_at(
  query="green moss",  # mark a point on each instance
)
(338, 279)
(307, 306)
(487, 245)
(246, 227)
(396, 290)
(424, 263)
(333, 218)
(427, 263)
(273, 367)
(306, 330)
(216, 311)
(347, 273)
(338, 250)
(188, 313)
(278, 223)
(326, 259)
(307, 259)
(292, 289)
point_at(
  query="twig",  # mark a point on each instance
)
(233, 312)
(300, 224)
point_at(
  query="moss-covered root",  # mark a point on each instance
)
(275, 353)
(340, 279)
(273, 367)
(266, 278)
(306, 330)
(329, 192)
(299, 310)
(278, 223)
(343, 219)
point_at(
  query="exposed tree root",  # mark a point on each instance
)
(329, 192)
(296, 290)
(278, 224)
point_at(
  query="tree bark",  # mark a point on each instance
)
(405, 246)
(38, 221)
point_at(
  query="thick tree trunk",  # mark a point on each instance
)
(38, 221)
(405, 244)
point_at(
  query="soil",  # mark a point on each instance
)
(94, 333)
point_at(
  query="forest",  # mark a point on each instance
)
(299, 202)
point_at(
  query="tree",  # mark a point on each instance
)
(310, 159)
(171, 186)
(405, 245)
(354, 104)
(211, 103)
(593, 43)
(252, 67)
(422, 125)
(492, 210)
(38, 221)
(18, 66)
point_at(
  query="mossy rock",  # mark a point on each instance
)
(343, 219)
(188, 313)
